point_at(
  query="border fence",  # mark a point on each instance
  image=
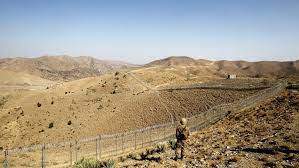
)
(65, 154)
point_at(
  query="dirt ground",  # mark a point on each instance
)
(111, 103)
(264, 136)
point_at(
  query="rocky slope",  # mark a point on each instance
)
(107, 104)
(63, 68)
(223, 67)
(264, 136)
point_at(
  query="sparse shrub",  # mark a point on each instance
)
(116, 73)
(65, 92)
(51, 125)
(134, 156)
(161, 147)
(52, 102)
(154, 157)
(149, 80)
(94, 163)
(108, 164)
(122, 158)
(87, 163)
(270, 164)
(172, 144)
(3, 100)
(69, 122)
(38, 104)
(100, 107)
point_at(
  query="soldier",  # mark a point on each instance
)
(182, 134)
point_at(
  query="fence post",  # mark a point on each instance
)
(164, 133)
(122, 142)
(5, 162)
(71, 154)
(43, 156)
(142, 138)
(135, 139)
(76, 151)
(116, 144)
(100, 147)
(150, 135)
(97, 147)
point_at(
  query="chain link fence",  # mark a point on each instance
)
(65, 154)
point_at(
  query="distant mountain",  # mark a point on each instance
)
(60, 67)
(173, 61)
(240, 68)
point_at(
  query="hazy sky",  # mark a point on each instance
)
(139, 31)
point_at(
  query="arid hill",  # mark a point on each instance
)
(60, 68)
(263, 136)
(116, 101)
(241, 68)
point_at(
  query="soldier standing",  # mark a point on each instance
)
(182, 134)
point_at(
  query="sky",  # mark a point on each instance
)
(139, 31)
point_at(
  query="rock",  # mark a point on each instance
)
(51, 125)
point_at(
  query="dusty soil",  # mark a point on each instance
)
(107, 104)
(264, 136)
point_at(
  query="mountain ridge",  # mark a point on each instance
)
(61, 68)
(241, 67)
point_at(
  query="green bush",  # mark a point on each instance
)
(93, 163)
(172, 143)
(87, 163)
(161, 147)
(134, 156)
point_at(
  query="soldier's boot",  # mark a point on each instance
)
(182, 153)
(176, 154)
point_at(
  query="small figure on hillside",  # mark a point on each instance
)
(182, 134)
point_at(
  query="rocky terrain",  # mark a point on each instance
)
(224, 67)
(54, 99)
(264, 136)
(60, 68)
(108, 104)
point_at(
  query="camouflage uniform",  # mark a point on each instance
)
(182, 134)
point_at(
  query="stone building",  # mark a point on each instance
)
(231, 76)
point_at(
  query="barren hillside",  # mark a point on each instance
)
(114, 102)
(63, 68)
(264, 136)
(222, 68)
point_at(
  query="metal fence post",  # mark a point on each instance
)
(76, 151)
(71, 155)
(150, 136)
(142, 138)
(43, 156)
(116, 144)
(100, 147)
(135, 140)
(164, 133)
(97, 147)
(122, 142)
(5, 162)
